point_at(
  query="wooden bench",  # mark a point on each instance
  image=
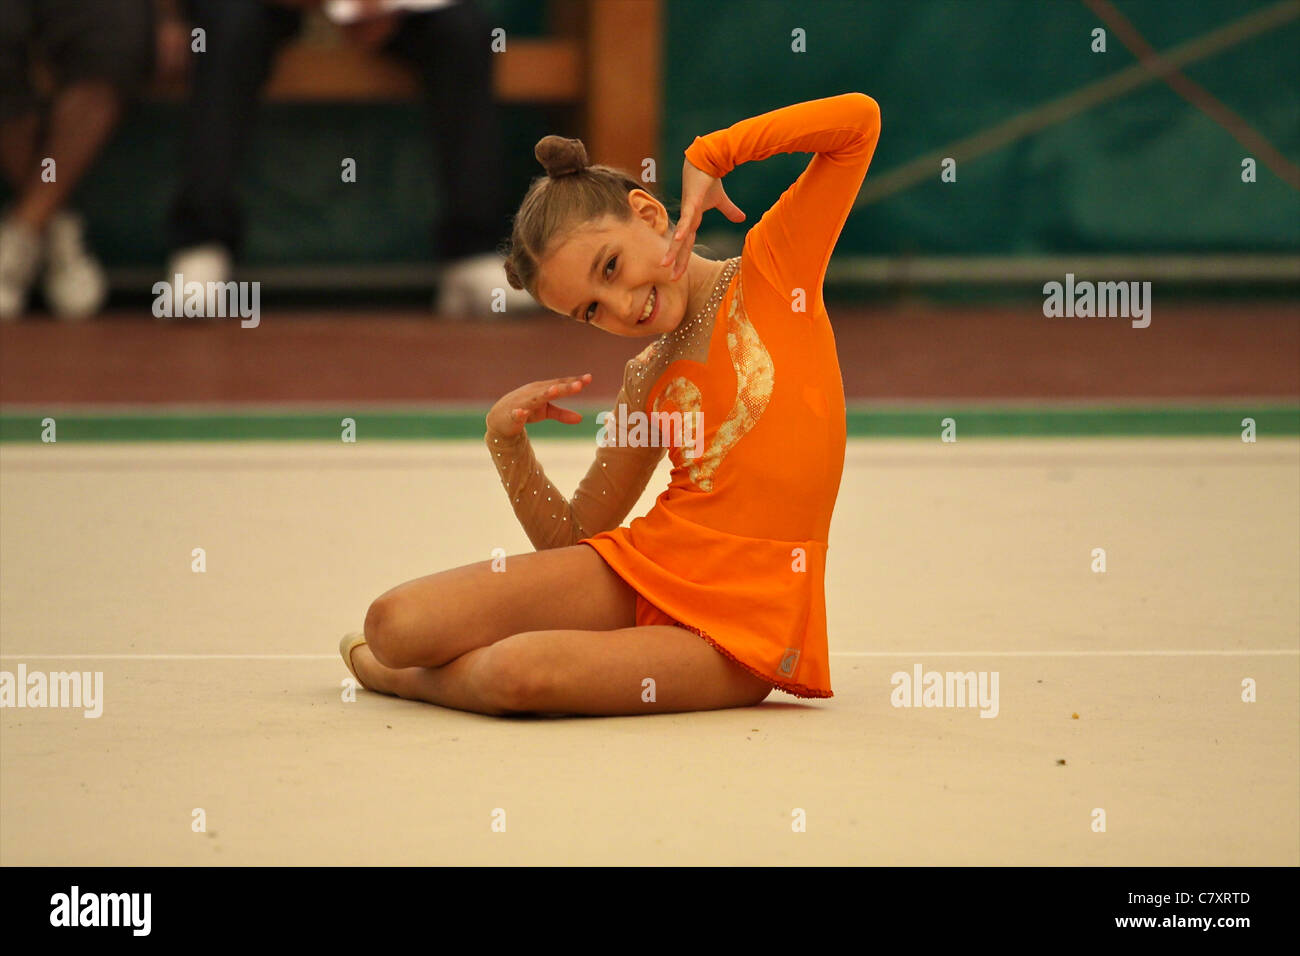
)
(601, 58)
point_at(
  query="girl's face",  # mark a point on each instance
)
(607, 274)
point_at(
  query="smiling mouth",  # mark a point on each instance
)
(653, 303)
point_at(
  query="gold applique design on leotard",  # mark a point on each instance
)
(755, 377)
(685, 394)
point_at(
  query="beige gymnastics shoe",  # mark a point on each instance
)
(350, 643)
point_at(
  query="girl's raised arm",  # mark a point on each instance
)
(792, 243)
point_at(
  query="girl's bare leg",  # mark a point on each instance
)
(628, 671)
(433, 620)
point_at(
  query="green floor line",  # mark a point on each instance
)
(863, 422)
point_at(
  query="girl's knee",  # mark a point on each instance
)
(509, 683)
(383, 629)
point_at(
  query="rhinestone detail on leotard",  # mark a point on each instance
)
(683, 341)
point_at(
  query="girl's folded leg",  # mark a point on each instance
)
(452, 685)
(432, 620)
(628, 671)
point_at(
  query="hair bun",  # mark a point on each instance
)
(561, 156)
(512, 275)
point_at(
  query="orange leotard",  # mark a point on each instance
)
(735, 548)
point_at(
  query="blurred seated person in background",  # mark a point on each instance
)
(447, 44)
(97, 53)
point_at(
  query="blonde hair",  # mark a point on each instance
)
(571, 194)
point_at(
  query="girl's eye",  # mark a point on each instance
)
(612, 260)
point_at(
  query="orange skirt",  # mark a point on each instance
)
(760, 603)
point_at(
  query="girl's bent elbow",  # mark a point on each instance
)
(870, 111)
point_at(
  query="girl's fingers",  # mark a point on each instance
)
(731, 210)
(565, 415)
(671, 252)
(561, 388)
(685, 227)
(673, 257)
(537, 400)
(568, 380)
(683, 256)
(691, 226)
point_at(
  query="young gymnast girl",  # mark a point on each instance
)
(717, 595)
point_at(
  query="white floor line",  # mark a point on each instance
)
(1273, 652)
(1214, 653)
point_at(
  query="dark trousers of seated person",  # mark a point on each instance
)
(449, 48)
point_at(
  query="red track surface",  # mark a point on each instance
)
(988, 353)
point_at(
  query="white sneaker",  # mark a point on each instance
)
(210, 262)
(75, 284)
(469, 288)
(20, 261)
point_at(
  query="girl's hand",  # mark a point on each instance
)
(532, 403)
(700, 192)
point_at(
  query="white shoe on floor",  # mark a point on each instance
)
(210, 262)
(20, 261)
(470, 287)
(75, 284)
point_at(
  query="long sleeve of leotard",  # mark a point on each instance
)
(602, 500)
(793, 241)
